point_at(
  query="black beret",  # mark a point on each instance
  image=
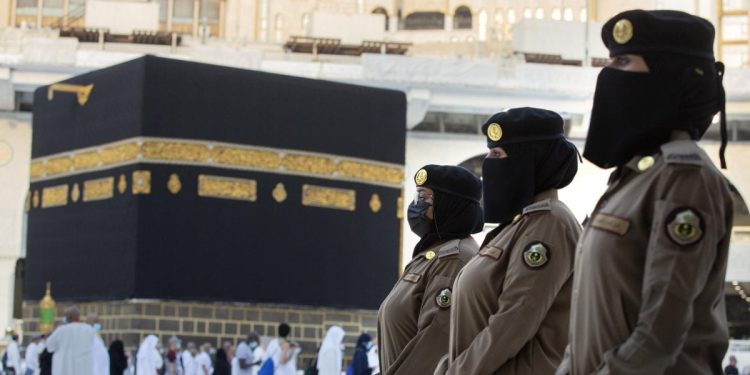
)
(522, 125)
(639, 31)
(450, 179)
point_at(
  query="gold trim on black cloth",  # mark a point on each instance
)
(216, 154)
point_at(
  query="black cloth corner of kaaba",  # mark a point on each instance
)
(273, 245)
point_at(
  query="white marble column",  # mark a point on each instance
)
(15, 151)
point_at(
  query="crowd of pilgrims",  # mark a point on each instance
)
(76, 348)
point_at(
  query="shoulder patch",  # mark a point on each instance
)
(491, 251)
(544, 205)
(412, 277)
(536, 255)
(685, 226)
(682, 152)
(451, 248)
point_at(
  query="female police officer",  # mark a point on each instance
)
(413, 319)
(649, 280)
(511, 303)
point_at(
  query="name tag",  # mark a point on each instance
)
(412, 277)
(611, 223)
(491, 252)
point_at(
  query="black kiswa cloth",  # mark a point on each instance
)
(454, 217)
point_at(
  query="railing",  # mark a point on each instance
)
(333, 46)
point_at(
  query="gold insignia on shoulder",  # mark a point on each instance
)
(684, 226)
(645, 163)
(536, 255)
(516, 218)
(421, 177)
(444, 298)
(429, 255)
(623, 31)
(494, 132)
(35, 199)
(174, 185)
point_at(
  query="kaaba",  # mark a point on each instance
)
(169, 179)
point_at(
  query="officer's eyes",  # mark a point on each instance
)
(622, 61)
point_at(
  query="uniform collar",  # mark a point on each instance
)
(547, 194)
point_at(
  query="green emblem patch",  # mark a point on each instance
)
(444, 298)
(685, 226)
(536, 255)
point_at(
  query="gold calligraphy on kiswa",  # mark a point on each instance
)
(227, 188)
(204, 153)
(327, 197)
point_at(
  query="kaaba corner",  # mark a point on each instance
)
(175, 180)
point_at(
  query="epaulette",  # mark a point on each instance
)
(450, 248)
(682, 152)
(544, 205)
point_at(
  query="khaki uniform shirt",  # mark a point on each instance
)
(511, 302)
(413, 320)
(649, 284)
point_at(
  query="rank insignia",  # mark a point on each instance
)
(444, 298)
(494, 132)
(536, 255)
(645, 163)
(623, 31)
(421, 177)
(684, 226)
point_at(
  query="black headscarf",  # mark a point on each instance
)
(454, 217)
(530, 168)
(118, 362)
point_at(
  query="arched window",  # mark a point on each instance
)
(381, 10)
(584, 15)
(462, 18)
(539, 13)
(499, 17)
(511, 16)
(278, 25)
(556, 14)
(425, 21)
(483, 25)
(527, 13)
(568, 14)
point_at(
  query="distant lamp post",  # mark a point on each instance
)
(47, 311)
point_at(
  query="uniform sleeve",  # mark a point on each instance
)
(527, 295)
(686, 231)
(421, 353)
